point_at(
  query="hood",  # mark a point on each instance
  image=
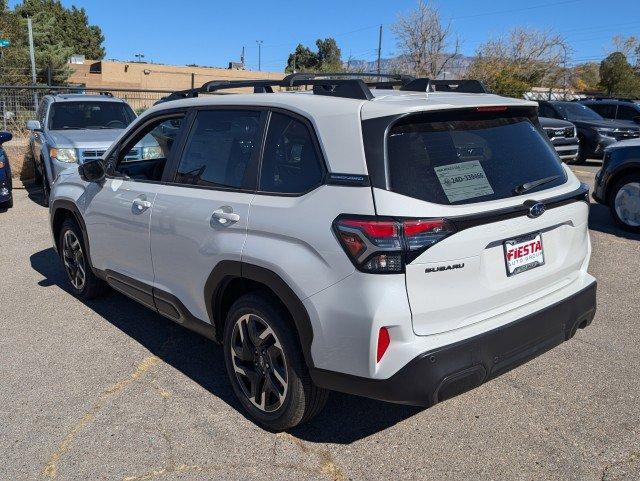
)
(83, 139)
(554, 123)
(624, 143)
(607, 123)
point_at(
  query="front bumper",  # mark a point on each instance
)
(450, 370)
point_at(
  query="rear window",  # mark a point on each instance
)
(468, 160)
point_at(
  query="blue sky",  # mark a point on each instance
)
(213, 32)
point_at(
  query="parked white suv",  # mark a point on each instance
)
(405, 245)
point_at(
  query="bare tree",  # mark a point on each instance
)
(523, 59)
(630, 48)
(426, 44)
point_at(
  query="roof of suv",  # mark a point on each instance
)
(84, 98)
(610, 102)
(384, 103)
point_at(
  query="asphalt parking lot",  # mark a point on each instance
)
(110, 390)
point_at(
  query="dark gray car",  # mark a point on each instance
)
(564, 137)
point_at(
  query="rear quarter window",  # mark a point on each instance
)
(468, 158)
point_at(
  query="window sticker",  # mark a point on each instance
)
(464, 180)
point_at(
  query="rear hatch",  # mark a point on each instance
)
(505, 223)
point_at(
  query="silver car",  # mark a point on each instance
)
(72, 129)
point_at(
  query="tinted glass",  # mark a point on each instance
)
(290, 163)
(146, 160)
(220, 148)
(466, 161)
(546, 111)
(627, 113)
(89, 115)
(576, 111)
(608, 111)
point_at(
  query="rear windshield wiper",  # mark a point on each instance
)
(527, 186)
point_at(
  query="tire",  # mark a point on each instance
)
(74, 260)
(8, 204)
(292, 398)
(624, 202)
(582, 154)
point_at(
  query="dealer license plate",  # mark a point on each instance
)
(523, 254)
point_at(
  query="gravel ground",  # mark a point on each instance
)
(109, 390)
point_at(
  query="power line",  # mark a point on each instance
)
(515, 10)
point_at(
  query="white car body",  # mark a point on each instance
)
(161, 237)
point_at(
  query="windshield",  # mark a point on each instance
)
(466, 161)
(89, 115)
(575, 111)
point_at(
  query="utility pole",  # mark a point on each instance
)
(294, 62)
(259, 42)
(379, 48)
(242, 57)
(32, 56)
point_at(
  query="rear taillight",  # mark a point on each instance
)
(385, 246)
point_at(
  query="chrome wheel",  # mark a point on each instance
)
(627, 204)
(73, 259)
(259, 363)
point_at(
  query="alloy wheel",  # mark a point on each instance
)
(259, 363)
(74, 259)
(627, 204)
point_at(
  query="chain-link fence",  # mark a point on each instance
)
(19, 104)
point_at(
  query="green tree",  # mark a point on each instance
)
(617, 75)
(58, 32)
(71, 26)
(328, 58)
(302, 60)
(329, 55)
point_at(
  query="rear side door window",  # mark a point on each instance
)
(627, 113)
(291, 163)
(608, 111)
(221, 148)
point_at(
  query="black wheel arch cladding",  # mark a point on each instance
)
(227, 271)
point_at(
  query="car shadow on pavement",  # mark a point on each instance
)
(34, 192)
(601, 220)
(345, 418)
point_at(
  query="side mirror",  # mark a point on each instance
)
(5, 137)
(34, 125)
(92, 171)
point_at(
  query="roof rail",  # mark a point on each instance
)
(456, 86)
(345, 85)
(340, 84)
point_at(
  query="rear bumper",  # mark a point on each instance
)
(450, 370)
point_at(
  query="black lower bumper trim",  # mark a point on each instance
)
(453, 369)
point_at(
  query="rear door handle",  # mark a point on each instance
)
(224, 215)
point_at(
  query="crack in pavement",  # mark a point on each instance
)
(630, 459)
(51, 468)
(327, 463)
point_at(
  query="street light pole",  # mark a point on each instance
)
(259, 42)
(32, 57)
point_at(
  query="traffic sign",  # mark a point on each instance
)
(4, 42)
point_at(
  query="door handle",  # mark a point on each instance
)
(225, 216)
(140, 204)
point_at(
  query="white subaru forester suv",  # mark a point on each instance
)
(405, 244)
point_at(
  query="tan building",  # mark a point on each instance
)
(150, 76)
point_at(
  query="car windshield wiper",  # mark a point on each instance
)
(527, 186)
